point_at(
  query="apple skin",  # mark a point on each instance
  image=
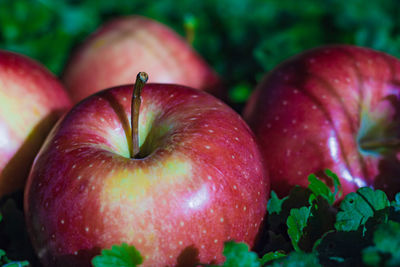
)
(31, 100)
(315, 111)
(200, 180)
(132, 44)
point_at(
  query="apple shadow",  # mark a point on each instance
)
(15, 173)
(189, 257)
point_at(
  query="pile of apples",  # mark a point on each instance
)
(196, 175)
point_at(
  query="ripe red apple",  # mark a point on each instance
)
(128, 45)
(31, 100)
(197, 180)
(334, 107)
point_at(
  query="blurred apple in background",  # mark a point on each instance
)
(31, 100)
(333, 107)
(197, 181)
(131, 44)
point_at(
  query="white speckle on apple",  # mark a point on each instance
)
(288, 152)
(46, 204)
(182, 224)
(358, 64)
(93, 187)
(221, 220)
(324, 96)
(294, 121)
(210, 131)
(79, 177)
(212, 211)
(268, 125)
(204, 231)
(326, 122)
(124, 98)
(277, 118)
(255, 225)
(295, 91)
(295, 136)
(103, 161)
(348, 80)
(56, 142)
(207, 147)
(244, 208)
(202, 246)
(57, 147)
(234, 187)
(233, 156)
(209, 177)
(299, 173)
(258, 193)
(336, 80)
(90, 165)
(102, 119)
(87, 229)
(216, 241)
(62, 221)
(237, 206)
(140, 240)
(214, 188)
(312, 60)
(75, 252)
(237, 138)
(285, 130)
(284, 102)
(53, 236)
(73, 166)
(369, 61)
(195, 96)
(235, 128)
(206, 125)
(193, 119)
(314, 107)
(305, 126)
(171, 95)
(42, 229)
(180, 243)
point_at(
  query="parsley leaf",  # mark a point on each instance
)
(358, 207)
(270, 256)
(319, 188)
(298, 259)
(238, 254)
(296, 222)
(122, 256)
(275, 204)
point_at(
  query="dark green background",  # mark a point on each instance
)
(241, 39)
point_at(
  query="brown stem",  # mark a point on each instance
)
(141, 80)
(376, 144)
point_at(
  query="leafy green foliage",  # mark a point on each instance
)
(358, 207)
(274, 203)
(238, 254)
(296, 223)
(123, 256)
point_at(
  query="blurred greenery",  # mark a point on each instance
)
(241, 39)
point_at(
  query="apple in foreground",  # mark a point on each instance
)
(31, 100)
(334, 107)
(194, 180)
(128, 45)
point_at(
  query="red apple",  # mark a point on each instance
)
(197, 181)
(31, 100)
(128, 45)
(334, 107)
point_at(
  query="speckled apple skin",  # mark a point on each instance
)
(201, 183)
(132, 44)
(31, 100)
(310, 113)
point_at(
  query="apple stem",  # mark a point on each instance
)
(141, 80)
(376, 144)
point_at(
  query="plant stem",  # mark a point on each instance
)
(141, 80)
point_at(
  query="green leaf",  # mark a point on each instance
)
(122, 256)
(296, 222)
(270, 256)
(396, 203)
(387, 240)
(358, 207)
(16, 264)
(275, 204)
(238, 255)
(319, 188)
(298, 259)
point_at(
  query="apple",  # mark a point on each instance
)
(186, 178)
(333, 107)
(31, 100)
(128, 45)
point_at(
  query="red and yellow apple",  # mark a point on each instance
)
(198, 180)
(334, 107)
(31, 100)
(128, 45)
